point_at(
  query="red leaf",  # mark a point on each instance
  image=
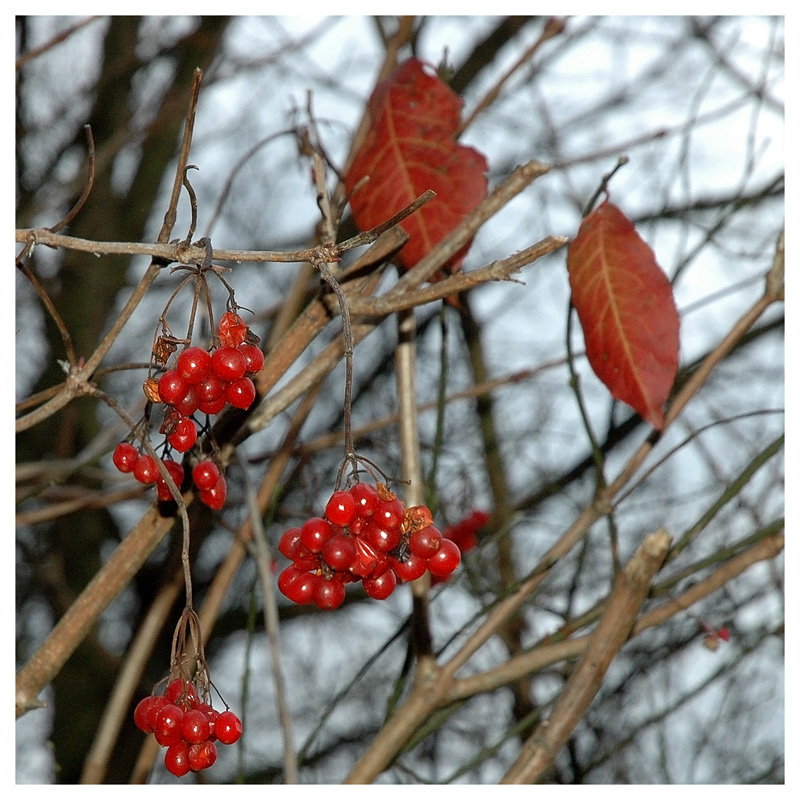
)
(626, 308)
(410, 148)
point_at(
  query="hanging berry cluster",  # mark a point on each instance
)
(186, 726)
(200, 381)
(182, 719)
(367, 535)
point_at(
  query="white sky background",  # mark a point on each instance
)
(640, 187)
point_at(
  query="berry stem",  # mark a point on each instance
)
(322, 267)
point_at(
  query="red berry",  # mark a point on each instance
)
(339, 552)
(125, 457)
(141, 713)
(228, 727)
(215, 497)
(368, 562)
(253, 356)
(412, 568)
(228, 364)
(314, 533)
(202, 755)
(211, 715)
(155, 707)
(366, 497)
(181, 690)
(209, 389)
(382, 586)
(172, 387)
(168, 727)
(146, 470)
(379, 538)
(329, 594)
(194, 364)
(341, 508)
(445, 560)
(425, 542)
(212, 407)
(205, 475)
(297, 585)
(184, 435)
(176, 759)
(231, 329)
(195, 727)
(389, 514)
(188, 404)
(304, 559)
(288, 542)
(241, 393)
(176, 472)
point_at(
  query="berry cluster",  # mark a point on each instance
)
(201, 380)
(367, 534)
(209, 481)
(187, 727)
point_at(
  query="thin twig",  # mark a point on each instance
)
(553, 27)
(79, 375)
(128, 679)
(624, 602)
(263, 560)
(405, 377)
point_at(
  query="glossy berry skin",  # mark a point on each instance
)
(215, 497)
(379, 537)
(328, 594)
(341, 508)
(169, 722)
(180, 690)
(195, 727)
(184, 436)
(412, 568)
(211, 715)
(189, 403)
(172, 387)
(288, 542)
(140, 715)
(212, 407)
(176, 759)
(389, 514)
(209, 389)
(366, 497)
(445, 560)
(241, 393)
(339, 552)
(228, 728)
(159, 701)
(202, 755)
(205, 475)
(314, 533)
(425, 542)
(228, 364)
(125, 457)
(297, 585)
(382, 586)
(176, 472)
(194, 364)
(253, 356)
(146, 469)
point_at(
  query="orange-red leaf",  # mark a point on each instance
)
(627, 310)
(410, 148)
